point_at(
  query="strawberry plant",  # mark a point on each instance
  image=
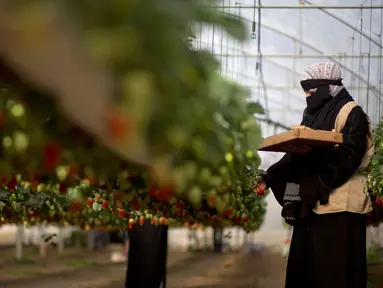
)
(160, 135)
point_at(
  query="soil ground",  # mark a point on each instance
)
(82, 269)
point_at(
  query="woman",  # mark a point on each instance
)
(321, 190)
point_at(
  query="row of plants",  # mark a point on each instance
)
(375, 177)
(160, 135)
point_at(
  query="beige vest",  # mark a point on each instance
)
(351, 196)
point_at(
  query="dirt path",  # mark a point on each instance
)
(185, 270)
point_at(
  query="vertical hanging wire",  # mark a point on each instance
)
(369, 63)
(233, 48)
(300, 30)
(213, 34)
(352, 61)
(222, 34)
(227, 45)
(240, 44)
(200, 32)
(264, 88)
(254, 36)
(360, 58)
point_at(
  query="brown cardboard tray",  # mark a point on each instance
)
(298, 137)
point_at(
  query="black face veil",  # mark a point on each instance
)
(321, 96)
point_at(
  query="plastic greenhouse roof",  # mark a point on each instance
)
(291, 39)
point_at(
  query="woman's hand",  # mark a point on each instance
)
(260, 186)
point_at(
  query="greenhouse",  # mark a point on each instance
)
(149, 123)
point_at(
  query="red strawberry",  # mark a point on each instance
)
(180, 205)
(142, 220)
(12, 184)
(62, 188)
(51, 154)
(135, 204)
(75, 206)
(131, 223)
(121, 213)
(179, 211)
(378, 201)
(89, 202)
(118, 124)
(165, 193)
(211, 200)
(260, 191)
(153, 192)
(244, 217)
(105, 204)
(3, 119)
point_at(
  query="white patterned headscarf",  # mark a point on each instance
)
(324, 70)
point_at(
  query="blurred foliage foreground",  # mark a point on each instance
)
(109, 117)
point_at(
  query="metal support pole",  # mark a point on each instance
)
(19, 241)
(342, 7)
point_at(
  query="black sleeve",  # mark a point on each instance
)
(278, 175)
(342, 161)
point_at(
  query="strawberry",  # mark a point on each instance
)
(131, 223)
(179, 211)
(89, 202)
(12, 183)
(142, 220)
(3, 119)
(161, 221)
(244, 217)
(105, 204)
(52, 155)
(153, 192)
(378, 201)
(135, 204)
(211, 200)
(260, 191)
(180, 205)
(121, 213)
(62, 187)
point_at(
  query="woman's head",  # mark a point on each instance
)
(321, 72)
(321, 82)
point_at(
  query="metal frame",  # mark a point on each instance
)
(300, 7)
(302, 56)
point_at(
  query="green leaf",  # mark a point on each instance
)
(255, 108)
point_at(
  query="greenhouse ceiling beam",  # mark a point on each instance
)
(286, 88)
(287, 69)
(299, 56)
(278, 7)
(360, 32)
(307, 45)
